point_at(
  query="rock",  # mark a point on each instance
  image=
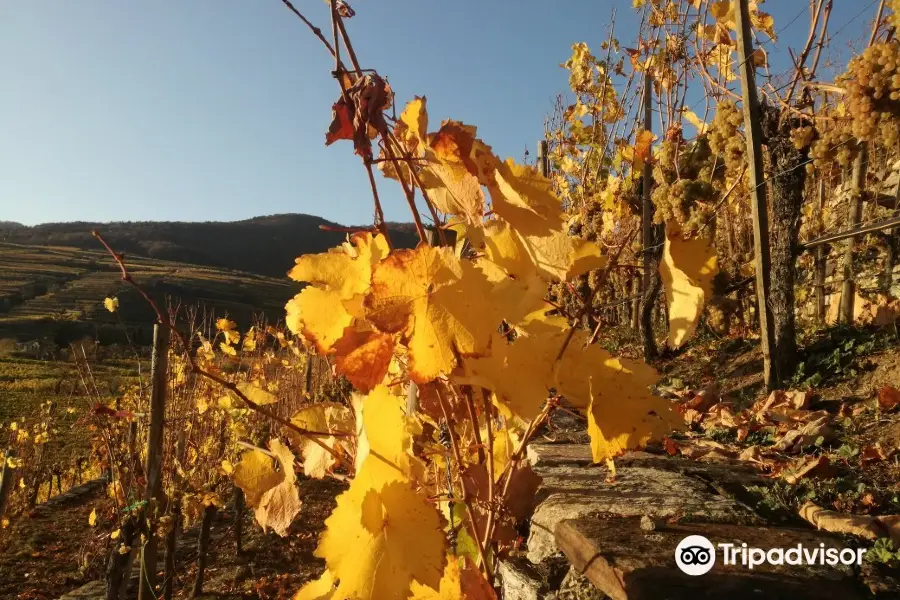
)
(575, 586)
(627, 563)
(647, 524)
(519, 580)
(890, 436)
(95, 590)
(645, 485)
(881, 581)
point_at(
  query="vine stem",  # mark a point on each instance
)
(509, 470)
(489, 434)
(418, 181)
(473, 416)
(589, 302)
(407, 191)
(167, 322)
(454, 443)
(316, 31)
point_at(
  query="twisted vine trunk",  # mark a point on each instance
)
(119, 566)
(203, 549)
(239, 507)
(171, 547)
(788, 179)
(653, 283)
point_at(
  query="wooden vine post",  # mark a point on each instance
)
(6, 481)
(857, 184)
(759, 208)
(543, 158)
(650, 236)
(153, 495)
(821, 264)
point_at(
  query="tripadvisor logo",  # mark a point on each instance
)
(696, 555)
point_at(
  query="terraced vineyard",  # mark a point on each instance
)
(57, 292)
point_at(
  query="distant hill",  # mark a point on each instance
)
(57, 293)
(262, 245)
(54, 277)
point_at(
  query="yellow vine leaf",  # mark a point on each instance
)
(514, 297)
(554, 257)
(92, 519)
(343, 270)
(385, 443)
(450, 587)
(764, 22)
(623, 415)
(379, 539)
(438, 304)
(320, 589)
(694, 120)
(415, 118)
(325, 416)
(723, 12)
(229, 330)
(524, 198)
(111, 304)
(256, 475)
(362, 442)
(451, 175)
(280, 504)
(224, 324)
(505, 443)
(615, 391)
(114, 490)
(720, 58)
(318, 315)
(687, 271)
(249, 344)
(559, 256)
(643, 144)
(226, 349)
(520, 373)
(338, 279)
(504, 248)
(363, 357)
(461, 581)
(256, 394)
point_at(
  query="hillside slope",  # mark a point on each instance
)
(262, 245)
(57, 292)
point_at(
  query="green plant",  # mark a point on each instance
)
(882, 552)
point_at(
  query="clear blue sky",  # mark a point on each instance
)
(200, 110)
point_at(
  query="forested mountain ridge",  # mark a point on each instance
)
(265, 245)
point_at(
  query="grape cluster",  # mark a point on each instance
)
(725, 139)
(687, 201)
(688, 193)
(683, 194)
(836, 145)
(872, 82)
(803, 137)
(894, 7)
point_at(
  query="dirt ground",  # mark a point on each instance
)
(42, 558)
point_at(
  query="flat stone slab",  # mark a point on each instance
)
(645, 485)
(627, 562)
(95, 590)
(71, 496)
